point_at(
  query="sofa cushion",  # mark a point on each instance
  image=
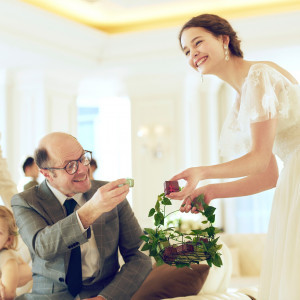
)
(235, 255)
(168, 282)
(250, 247)
(218, 279)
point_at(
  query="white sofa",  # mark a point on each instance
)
(246, 251)
(238, 278)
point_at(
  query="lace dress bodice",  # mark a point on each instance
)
(266, 94)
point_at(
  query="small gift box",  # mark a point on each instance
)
(171, 187)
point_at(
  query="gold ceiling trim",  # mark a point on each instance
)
(117, 19)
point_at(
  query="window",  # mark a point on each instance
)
(105, 129)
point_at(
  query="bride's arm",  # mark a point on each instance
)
(243, 187)
(256, 161)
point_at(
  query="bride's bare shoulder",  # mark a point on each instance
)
(281, 70)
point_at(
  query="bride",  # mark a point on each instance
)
(265, 120)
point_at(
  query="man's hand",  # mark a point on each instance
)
(95, 298)
(104, 200)
(110, 195)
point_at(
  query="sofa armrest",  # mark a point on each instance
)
(252, 292)
(216, 296)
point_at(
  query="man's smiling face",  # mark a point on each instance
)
(62, 149)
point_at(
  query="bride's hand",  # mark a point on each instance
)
(186, 205)
(192, 177)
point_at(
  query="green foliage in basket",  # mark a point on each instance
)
(168, 245)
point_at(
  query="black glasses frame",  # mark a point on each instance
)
(72, 161)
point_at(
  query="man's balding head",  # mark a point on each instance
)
(50, 145)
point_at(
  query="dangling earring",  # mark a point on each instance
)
(201, 75)
(226, 52)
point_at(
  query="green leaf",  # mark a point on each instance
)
(166, 201)
(197, 231)
(210, 231)
(162, 236)
(146, 247)
(219, 247)
(144, 238)
(170, 229)
(209, 262)
(217, 230)
(200, 200)
(153, 252)
(217, 260)
(159, 219)
(157, 206)
(159, 260)
(151, 212)
(211, 219)
(209, 211)
(149, 230)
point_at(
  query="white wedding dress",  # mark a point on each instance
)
(266, 93)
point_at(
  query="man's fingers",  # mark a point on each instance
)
(118, 191)
(113, 184)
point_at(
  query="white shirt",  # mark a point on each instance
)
(90, 257)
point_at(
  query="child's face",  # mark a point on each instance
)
(5, 239)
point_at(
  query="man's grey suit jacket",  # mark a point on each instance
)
(50, 235)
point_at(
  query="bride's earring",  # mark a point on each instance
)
(201, 76)
(226, 52)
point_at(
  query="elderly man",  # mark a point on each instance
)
(75, 252)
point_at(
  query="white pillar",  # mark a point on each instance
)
(36, 104)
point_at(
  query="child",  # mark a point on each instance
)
(13, 270)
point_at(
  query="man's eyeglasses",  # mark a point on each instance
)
(72, 166)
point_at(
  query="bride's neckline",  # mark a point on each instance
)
(272, 66)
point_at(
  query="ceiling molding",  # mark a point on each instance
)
(111, 18)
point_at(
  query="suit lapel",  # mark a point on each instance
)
(51, 208)
(50, 203)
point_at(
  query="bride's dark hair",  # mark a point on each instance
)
(216, 26)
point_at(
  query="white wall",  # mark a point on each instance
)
(45, 59)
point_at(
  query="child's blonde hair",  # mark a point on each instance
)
(8, 216)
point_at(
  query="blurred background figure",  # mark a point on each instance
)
(7, 185)
(93, 168)
(31, 171)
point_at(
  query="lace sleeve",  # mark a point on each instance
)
(262, 95)
(266, 94)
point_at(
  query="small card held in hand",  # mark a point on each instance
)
(129, 181)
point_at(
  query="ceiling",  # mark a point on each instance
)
(117, 16)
